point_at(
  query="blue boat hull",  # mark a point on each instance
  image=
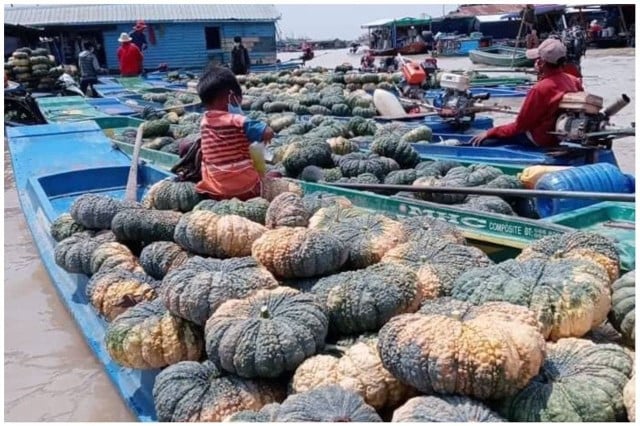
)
(495, 92)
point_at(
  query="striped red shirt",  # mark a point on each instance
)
(223, 139)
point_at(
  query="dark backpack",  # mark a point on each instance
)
(189, 166)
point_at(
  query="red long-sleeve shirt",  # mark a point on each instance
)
(540, 109)
(130, 59)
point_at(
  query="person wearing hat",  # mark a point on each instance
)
(138, 37)
(539, 111)
(129, 57)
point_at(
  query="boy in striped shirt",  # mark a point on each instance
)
(227, 169)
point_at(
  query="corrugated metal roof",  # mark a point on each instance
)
(487, 9)
(120, 13)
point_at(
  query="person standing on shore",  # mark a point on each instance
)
(240, 62)
(129, 57)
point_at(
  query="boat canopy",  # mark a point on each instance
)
(398, 22)
(539, 9)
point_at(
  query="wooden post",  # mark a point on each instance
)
(513, 58)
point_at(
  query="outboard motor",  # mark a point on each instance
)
(575, 40)
(582, 116)
(456, 102)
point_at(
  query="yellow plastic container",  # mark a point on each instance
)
(530, 176)
(257, 153)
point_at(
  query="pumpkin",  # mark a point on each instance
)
(418, 134)
(168, 194)
(160, 257)
(300, 252)
(141, 225)
(401, 177)
(358, 369)
(206, 233)
(195, 289)
(149, 336)
(359, 126)
(282, 122)
(64, 226)
(158, 142)
(368, 236)
(254, 209)
(569, 296)
(265, 415)
(272, 187)
(287, 209)
(437, 168)
(436, 262)
(488, 203)
(577, 245)
(97, 211)
(200, 392)
(629, 398)
(623, 307)
(439, 197)
(113, 255)
(357, 163)
(364, 112)
(316, 200)
(73, 254)
(580, 381)
(327, 217)
(299, 155)
(114, 291)
(319, 110)
(342, 146)
(444, 408)
(364, 178)
(267, 333)
(364, 300)
(415, 227)
(450, 346)
(153, 128)
(402, 152)
(340, 110)
(325, 404)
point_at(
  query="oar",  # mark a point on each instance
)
(524, 193)
(132, 181)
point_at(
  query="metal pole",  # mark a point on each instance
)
(525, 193)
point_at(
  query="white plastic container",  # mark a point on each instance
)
(455, 82)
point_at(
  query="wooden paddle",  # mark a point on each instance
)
(132, 181)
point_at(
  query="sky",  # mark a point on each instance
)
(343, 21)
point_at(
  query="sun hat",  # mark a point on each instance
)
(140, 25)
(550, 50)
(124, 37)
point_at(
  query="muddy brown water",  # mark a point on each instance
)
(50, 373)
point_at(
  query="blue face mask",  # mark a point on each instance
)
(235, 109)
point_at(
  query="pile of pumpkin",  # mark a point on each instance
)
(35, 69)
(300, 307)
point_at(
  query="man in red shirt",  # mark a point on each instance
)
(539, 111)
(129, 56)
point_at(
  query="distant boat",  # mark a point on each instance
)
(500, 56)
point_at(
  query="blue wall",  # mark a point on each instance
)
(183, 45)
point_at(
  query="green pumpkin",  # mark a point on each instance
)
(588, 246)
(439, 197)
(436, 262)
(487, 203)
(314, 201)
(437, 168)
(141, 225)
(623, 307)
(359, 126)
(341, 146)
(401, 177)
(419, 227)
(418, 134)
(195, 289)
(312, 174)
(154, 128)
(281, 321)
(444, 408)
(112, 255)
(254, 209)
(97, 211)
(300, 252)
(158, 258)
(73, 254)
(340, 110)
(580, 381)
(487, 352)
(364, 178)
(299, 155)
(64, 226)
(364, 112)
(148, 336)
(191, 391)
(114, 291)
(276, 106)
(364, 300)
(168, 194)
(368, 236)
(403, 153)
(356, 163)
(158, 143)
(569, 296)
(282, 122)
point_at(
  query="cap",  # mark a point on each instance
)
(140, 25)
(550, 50)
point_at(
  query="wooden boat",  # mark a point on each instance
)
(54, 164)
(500, 56)
(415, 48)
(291, 64)
(495, 92)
